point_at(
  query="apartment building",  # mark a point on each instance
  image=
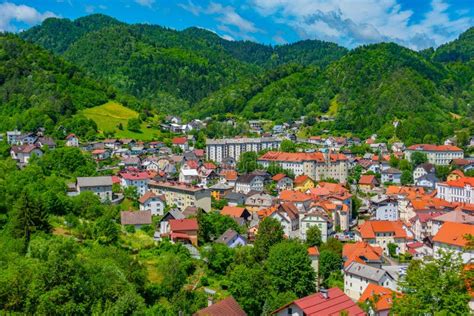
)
(460, 190)
(317, 166)
(182, 195)
(100, 186)
(219, 149)
(437, 155)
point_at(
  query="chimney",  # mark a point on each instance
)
(324, 292)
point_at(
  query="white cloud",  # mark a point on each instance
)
(145, 3)
(10, 12)
(230, 21)
(90, 9)
(352, 23)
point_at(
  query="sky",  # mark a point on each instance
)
(416, 24)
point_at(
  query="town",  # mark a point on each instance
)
(384, 205)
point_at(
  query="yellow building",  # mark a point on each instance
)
(182, 195)
(455, 175)
(303, 183)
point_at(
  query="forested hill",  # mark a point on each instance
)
(177, 67)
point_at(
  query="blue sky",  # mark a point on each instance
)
(413, 23)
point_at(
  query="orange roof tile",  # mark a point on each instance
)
(461, 182)
(278, 177)
(430, 147)
(370, 228)
(294, 196)
(354, 252)
(301, 179)
(367, 179)
(233, 211)
(453, 234)
(381, 296)
(313, 251)
(300, 157)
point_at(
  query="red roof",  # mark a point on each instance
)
(115, 179)
(98, 151)
(135, 175)
(294, 196)
(209, 165)
(192, 164)
(179, 140)
(233, 211)
(301, 179)
(229, 175)
(145, 197)
(453, 234)
(430, 147)
(359, 250)
(335, 303)
(313, 251)
(188, 224)
(370, 228)
(226, 307)
(381, 296)
(461, 182)
(367, 179)
(70, 136)
(199, 152)
(299, 157)
(278, 177)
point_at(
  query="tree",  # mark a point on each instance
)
(247, 162)
(173, 271)
(287, 146)
(313, 236)
(289, 268)
(249, 286)
(329, 262)
(392, 249)
(432, 288)
(276, 300)
(219, 257)
(418, 158)
(442, 172)
(332, 244)
(406, 178)
(269, 233)
(213, 224)
(133, 125)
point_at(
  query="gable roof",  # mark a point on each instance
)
(428, 167)
(456, 216)
(369, 228)
(135, 218)
(148, 195)
(229, 234)
(227, 307)
(187, 224)
(301, 179)
(233, 211)
(361, 252)
(381, 296)
(278, 177)
(319, 305)
(94, 181)
(229, 175)
(367, 179)
(366, 271)
(294, 196)
(453, 234)
(313, 251)
(179, 140)
(430, 147)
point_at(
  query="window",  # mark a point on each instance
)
(290, 310)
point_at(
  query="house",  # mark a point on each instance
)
(437, 155)
(362, 252)
(427, 181)
(391, 175)
(303, 183)
(182, 195)
(188, 176)
(451, 237)
(358, 276)
(219, 190)
(258, 200)
(72, 141)
(419, 250)
(226, 307)
(326, 302)
(313, 254)
(421, 223)
(44, 141)
(135, 218)
(100, 186)
(317, 218)
(455, 216)
(300, 199)
(380, 299)
(283, 182)
(288, 216)
(236, 212)
(184, 230)
(367, 182)
(382, 233)
(13, 137)
(153, 202)
(460, 190)
(181, 142)
(164, 222)
(249, 182)
(232, 239)
(139, 180)
(23, 153)
(228, 176)
(100, 154)
(234, 198)
(455, 175)
(385, 208)
(423, 169)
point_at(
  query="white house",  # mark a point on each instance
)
(249, 182)
(188, 175)
(437, 155)
(100, 186)
(316, 218)
(23, 153)
(139, 180)
(391, 175)
(72, 141)
(423, 169)
(460, 190)
(385, 208)
(451, 238)
(287, 215)
(153, 202)
(358, 276)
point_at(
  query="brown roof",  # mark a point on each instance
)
(226, 307)
(145, 197)
(367, 179)
(135, 218)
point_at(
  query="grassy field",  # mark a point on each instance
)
(108, 117)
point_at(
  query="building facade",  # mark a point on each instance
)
(182, 195)
(461, 190)
(100, 186)
(437, 155)
(218, 149)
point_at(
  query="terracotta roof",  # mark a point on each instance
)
(209, 165)
(430, 147)
(135, 175)
(179, 140)
(233, 211)
(199, 152)
(458, 173)
(135, 218)
(367, 179)
(189, 224)
(294, 196)
(278, 177)
(227, 307)
(24, 148)
(424, 217)
(229, 175)
(381, 296)
(318, 305)
(299, 157)
(453, 234)
(313, 251)
(334, 188)
(370, 228)
(456, 216)
(361, 252)
(460, 183)
(145, 197)
(70, 136)
(301, 179)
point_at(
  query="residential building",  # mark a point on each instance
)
(301, 200)
(303, 183)
(422, 222)
(23, 153)
(451, 237)
(363, 253)
(423, 169)
(380, 299)
(153, 202)
(382, 233)
(184, 230)
(288, 216)
(385, 208)
(437, 155)
(258, 200)
(139, 180)
(135, 218)
(100, 186)
(456, 216)
(313, 254)
(232, 239)
(391, 175)
(227, 307)
(187, 175)
(326, 302)
(283, 182)
(219, 149)
(181, 142)
(317, 218)
(461, 190)
(236, 212)
(358, 276)
(219, 190)
(13, 137)
(249, 182)
(318, 165)
(235, 198)
(455, 175)
(164, 222)
(427, 181)
(72, 141)
(367, 182)
(182, 195)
